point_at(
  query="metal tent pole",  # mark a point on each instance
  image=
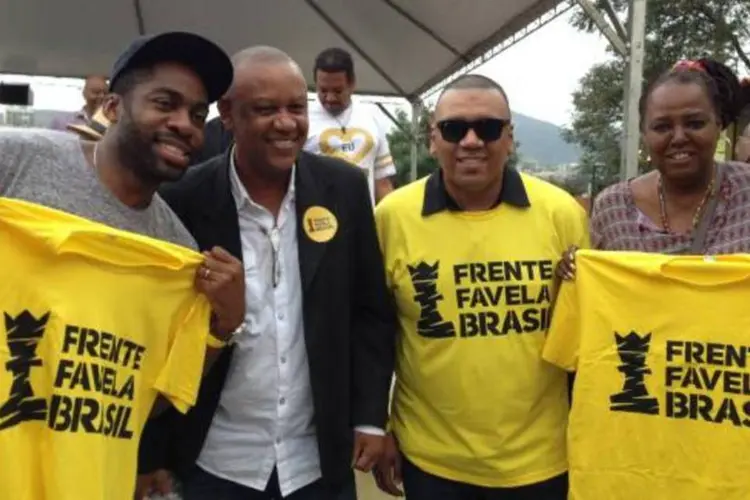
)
(633, 89)
(416, 112)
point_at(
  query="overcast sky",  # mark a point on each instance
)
(539, 73)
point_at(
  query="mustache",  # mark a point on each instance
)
(173, 138)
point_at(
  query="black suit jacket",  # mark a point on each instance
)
(216, 141)
(349, 318)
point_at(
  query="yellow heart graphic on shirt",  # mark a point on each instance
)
(352, 145)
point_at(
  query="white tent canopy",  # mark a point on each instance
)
(401, 47)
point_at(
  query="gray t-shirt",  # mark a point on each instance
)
(48, 168)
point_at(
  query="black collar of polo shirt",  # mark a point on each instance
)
(437, 199)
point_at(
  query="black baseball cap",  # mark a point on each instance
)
(208, 60)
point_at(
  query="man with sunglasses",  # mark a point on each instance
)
(470, 253)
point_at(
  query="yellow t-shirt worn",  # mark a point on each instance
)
(473, 400)
(661, 403)
(94, 323)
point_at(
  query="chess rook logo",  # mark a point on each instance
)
(24, 332)
(424, 277)
(634, 398)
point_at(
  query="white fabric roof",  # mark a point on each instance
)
(415, 43)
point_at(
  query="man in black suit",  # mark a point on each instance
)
(302, 395)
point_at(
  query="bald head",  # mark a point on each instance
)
(261, 54)
(95, 79)
(471, 97)
(94, 89)
(266, 111)
(474, 82)
(248, 62)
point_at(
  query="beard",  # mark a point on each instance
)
(136, 152)
(335, 110)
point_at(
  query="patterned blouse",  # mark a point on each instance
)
(616, 223)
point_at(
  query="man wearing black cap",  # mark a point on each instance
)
(160, 90)
(161, 87)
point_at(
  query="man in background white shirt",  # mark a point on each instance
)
(341, 128)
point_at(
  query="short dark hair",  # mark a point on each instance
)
(131, 78)
(473, 81)
(335, 60)
(718, 81)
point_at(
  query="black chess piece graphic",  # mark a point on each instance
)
(634, 397)
(24, 332)
(431, 324)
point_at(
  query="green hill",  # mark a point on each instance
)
(542, 142)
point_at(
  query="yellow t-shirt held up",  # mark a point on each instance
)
(473, 400)
(661, 349)
(94, 323)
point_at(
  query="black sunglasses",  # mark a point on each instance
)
(487, 129)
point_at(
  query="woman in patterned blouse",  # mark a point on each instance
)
(689, 203)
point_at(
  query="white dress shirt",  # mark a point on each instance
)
(265, 414)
